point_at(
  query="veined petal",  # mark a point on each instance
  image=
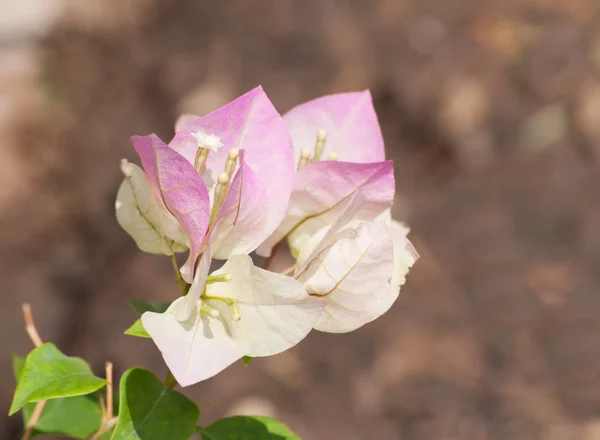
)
(239, 227)
(179, 186)
(320, 189)
(350, 120)
(144, 218)
(405, 254)
(249, 123)
(354, 274)
(276, 312)
(194, 350)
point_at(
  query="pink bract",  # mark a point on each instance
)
(350, 120)
(249, 123)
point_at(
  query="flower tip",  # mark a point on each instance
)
(126, 167)
(305, 153)
(321, 134)
(234, 153)
(223, 178)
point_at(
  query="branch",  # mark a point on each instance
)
(37, 341)
(109, 391)
(273, 255)
(30, 325)
(35, 418)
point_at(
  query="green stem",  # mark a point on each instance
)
(182, 284)
(170, 381)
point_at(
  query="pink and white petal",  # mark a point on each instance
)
(145, 217)
(320, 188)
(240, 223)
(386, 216)
(183, 120)
(350, 120)
(276, 312)
(405, 254)
(354, 274)
(251, 123)
(181, 189)
(194, 350)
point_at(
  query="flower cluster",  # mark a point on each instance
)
(245, 179)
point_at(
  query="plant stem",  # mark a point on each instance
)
(30, 326)
(109, 391)
(37, 341)
(289, 270)
(274, 253)
(35, 417)
(170, 381)
(180, 282)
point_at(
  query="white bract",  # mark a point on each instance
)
(358, 270)
(256, 313)
(139, 212)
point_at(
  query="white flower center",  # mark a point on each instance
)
(208, 141)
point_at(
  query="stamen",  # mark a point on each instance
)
(235, 311)
(126, 168)
(232, 303)
(304, 158)
(320, 146)
(220, 194)
(206, 143)
(222, 278)
(232, 158)
(332, 156)
(200, 161)
(206, 310)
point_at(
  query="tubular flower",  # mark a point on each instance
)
(225, 178)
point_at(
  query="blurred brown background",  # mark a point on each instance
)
(491, 111)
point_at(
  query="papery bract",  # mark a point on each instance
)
(275, 313)
(249, 123)
(349, 119)
(140, 213)
(358, 270)
(195, 349)
(179, 187)
(239, 227)
(320, 190)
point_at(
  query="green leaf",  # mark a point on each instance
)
(77, 417)
(137, 329)
(150, 411)
(247, 360)
(247, 428)
(49, 374)
(142, 306)
(18, 364)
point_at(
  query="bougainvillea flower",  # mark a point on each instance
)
(249, 123)
(339, 150)
(358, 268)
(249, 311)
(225, 177)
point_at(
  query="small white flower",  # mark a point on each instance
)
(208, 141)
